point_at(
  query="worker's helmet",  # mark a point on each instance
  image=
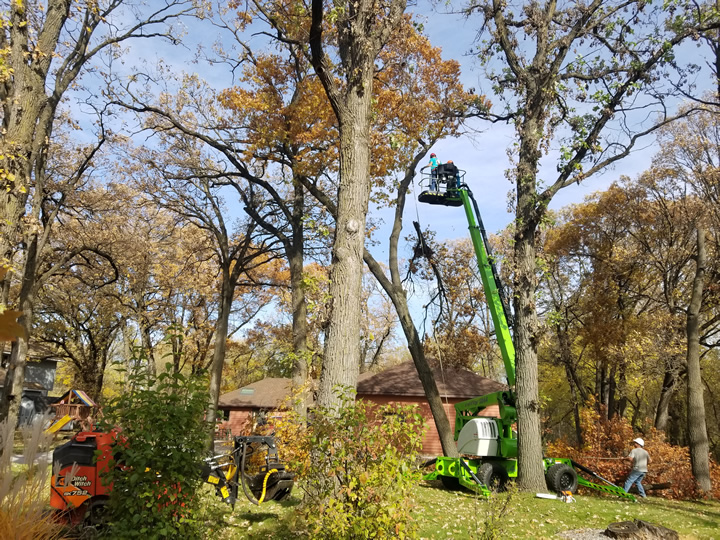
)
(639, 441)
(432, 155)
(449, 160)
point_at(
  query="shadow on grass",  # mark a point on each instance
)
(437, 485)
(270, 520)
(708, 509)
(259, 517)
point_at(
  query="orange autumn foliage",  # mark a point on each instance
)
(613, 439)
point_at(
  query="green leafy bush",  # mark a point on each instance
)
(356, 466)
(155, 467)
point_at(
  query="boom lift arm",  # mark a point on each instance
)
(489, 444)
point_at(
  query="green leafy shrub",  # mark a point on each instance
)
(155, 466)
(356, 467)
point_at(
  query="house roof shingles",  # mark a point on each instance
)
(403, 380)
(265, 394)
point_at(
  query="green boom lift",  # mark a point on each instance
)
(488, 445)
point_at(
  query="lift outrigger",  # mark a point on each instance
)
(488, 445)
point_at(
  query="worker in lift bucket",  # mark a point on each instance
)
(454, 182)
(433, 171)
(639, 459)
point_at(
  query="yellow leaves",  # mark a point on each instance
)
(10, 329)
(279, 107)
(7, 177)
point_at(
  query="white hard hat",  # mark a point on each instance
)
(639, 441)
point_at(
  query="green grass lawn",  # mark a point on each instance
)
(456, 514)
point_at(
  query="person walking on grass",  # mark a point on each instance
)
(639, 459)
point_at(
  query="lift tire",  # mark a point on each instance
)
(561, 477)
(493, 475)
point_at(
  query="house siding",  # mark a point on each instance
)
(238, 421)
(431, 441)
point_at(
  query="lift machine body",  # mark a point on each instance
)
(488, 444)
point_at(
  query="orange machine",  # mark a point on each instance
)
(76, 488)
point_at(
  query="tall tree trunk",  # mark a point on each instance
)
(299, 303)
(91, 378)
(612, 385)
(669, 386)
(604, 386)
(571, 376)
(128, 353)
(531, 474)
(622, 388)
(218, 361)
(394, 289)
(27, 125)
(697, 428)
(362, 31)
(575, 404)
(15, 375)
(147, 344)
(342, 354)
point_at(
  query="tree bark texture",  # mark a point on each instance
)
(27, 112)
(295, 254)
(669, 387)
(697, 428)
(342, 353)
(147, 345)
(531, 474)
(363, 27)
(15, 376)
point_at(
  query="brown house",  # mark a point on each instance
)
(245, 407)
(399, 384)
